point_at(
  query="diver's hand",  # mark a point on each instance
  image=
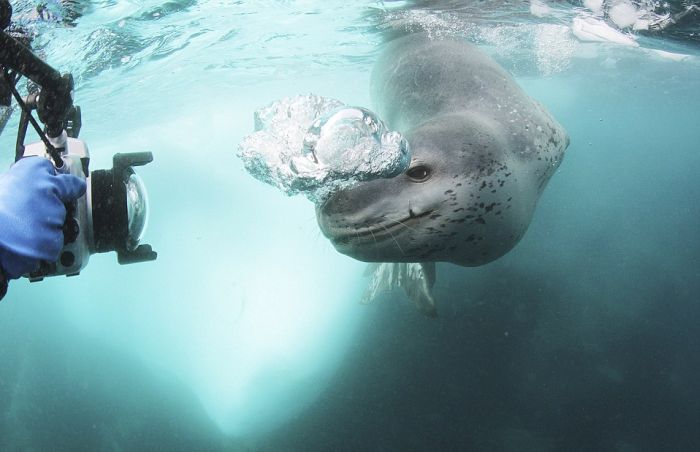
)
(32, 213)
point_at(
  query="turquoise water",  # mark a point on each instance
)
(246, 333)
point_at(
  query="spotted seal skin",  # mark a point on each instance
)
(482, 152)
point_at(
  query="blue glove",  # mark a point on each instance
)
(32, 213)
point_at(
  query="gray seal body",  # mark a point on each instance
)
(482, 152)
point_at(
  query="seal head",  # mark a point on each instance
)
(482, 152)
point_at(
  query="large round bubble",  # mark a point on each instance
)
(315, 146)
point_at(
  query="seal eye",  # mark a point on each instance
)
(418, 173)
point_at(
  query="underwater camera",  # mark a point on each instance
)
(111, 216)
(113, 213)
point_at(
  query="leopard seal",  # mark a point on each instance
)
(482, 153)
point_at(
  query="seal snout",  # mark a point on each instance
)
(337, 215)
(338, 203)
(368, 225)
(357, 207)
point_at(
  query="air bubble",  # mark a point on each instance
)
(316, 146)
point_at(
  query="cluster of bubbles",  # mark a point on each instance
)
(315, 146)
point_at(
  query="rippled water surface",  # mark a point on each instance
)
(247, 334)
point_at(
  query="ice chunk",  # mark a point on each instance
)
(315, 146)
(670, 55)
(539, 8)
(623, 14)
(594, 5)
(588, 29)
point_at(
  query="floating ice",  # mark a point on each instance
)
(588, 29)
(315, 146)
(670, 55)
(539, 8)
(594, 5)
(624, 14)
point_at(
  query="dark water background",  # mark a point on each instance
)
(591, 345)
(583, 338)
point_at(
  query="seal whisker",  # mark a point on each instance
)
(373, 237)
(402, 224)
(394, 239)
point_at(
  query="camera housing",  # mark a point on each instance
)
(113, 213)
(111, 216)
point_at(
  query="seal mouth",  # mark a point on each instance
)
(374, 233)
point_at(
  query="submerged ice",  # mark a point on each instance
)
(315, 146)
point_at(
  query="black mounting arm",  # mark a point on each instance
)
(56, 99)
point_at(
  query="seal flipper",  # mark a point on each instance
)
(419, 286)
(370, 269)
(416, 279)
